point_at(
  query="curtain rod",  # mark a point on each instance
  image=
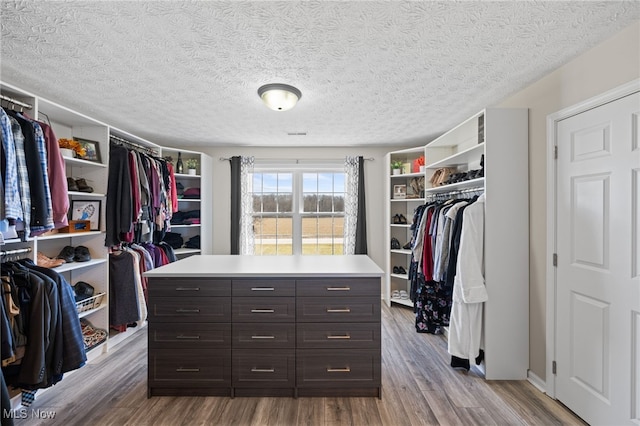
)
(295, 159)
(15, 102)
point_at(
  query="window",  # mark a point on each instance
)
(298, 212)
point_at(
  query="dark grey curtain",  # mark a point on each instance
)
(236, 198)
(361, 226)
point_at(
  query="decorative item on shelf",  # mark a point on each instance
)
(91, 150)
(406, 167)
(399, 191)
(192, 165)
(417, 187)
(179, 166)
(70, 148)
(76, 226)
(396, 167)
(86, 210)
(418, 165)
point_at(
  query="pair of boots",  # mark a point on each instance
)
(78, 185)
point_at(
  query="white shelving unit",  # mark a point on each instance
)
(501, 135)
(400, 206)
(203, 180)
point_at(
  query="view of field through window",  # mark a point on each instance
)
(316, 203)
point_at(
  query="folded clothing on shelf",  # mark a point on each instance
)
(193, 242)
(191, 193)
(180, 218)
(174, 239)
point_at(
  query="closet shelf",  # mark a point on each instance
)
(401, 225)
(190, 200)
(84, 163)
(186, 176)
(87, 194)
(195, 225)
(401, 276)
(467, 184)
(78, 265)
(405, 175)
(185, 250)
(68, 235)
(398, 200)
(405, 302)
(461, 158)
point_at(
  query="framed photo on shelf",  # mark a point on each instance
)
(87, 210)
(399, 191)
(91, 148)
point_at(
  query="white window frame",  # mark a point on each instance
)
(297, 170)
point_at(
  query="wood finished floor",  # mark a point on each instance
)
(418, 388)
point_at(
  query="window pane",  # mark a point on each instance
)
(270, 182)
(309, 182)
(269, 203)
(285, 182)
(338, 182)
(257, 182)
(325, 182)
(338, 202)
(285, 203)
(325, 202)
(310, 203)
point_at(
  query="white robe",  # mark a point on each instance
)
(469, 291)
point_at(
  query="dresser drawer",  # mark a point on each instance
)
(338, 287)
(273, 368)
(264, 309)
(190, 309)
(338, 309)
(248, 335)
(189, 287)
(190, 368)
(338, 335)
(189, 335)
(338, 368)
(263, 287)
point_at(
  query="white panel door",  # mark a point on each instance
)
(598, 275)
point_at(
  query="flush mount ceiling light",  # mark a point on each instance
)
(279, 97)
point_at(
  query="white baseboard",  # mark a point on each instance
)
(536, 381)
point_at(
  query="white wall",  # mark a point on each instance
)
(375, 173)
(610, 64)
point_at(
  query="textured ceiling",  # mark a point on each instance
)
(371, 73)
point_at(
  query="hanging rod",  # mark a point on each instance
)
(16, 251)
(15, 102)
(133, 145)
(454, 192)
(294, 159)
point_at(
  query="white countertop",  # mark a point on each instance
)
(269, 266)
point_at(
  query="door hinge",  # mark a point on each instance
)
(555, 259)
(555, 152)
(553, 367)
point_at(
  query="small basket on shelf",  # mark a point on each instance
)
(90, 303)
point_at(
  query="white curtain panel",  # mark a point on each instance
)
(350, 204)
(246, 217)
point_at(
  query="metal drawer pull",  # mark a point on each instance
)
(187, 337)
(262, 311)
(187, 288)
(263, 370)
(263, 337)
(262, 289)
(187, 370)
(347, 310)
(338, 288)
(339, 370)
(187, 311)
(346, 336)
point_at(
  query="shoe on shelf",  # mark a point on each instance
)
(402, 271)
(71, 185)
(396, 270)
(47, 262)
(404, 294)
(395, 244)
(395, 294)
(402, 220)
(83, 186)
(67, 254)
(396, 219)
(407, 246)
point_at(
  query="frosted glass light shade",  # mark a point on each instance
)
(279, 97)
